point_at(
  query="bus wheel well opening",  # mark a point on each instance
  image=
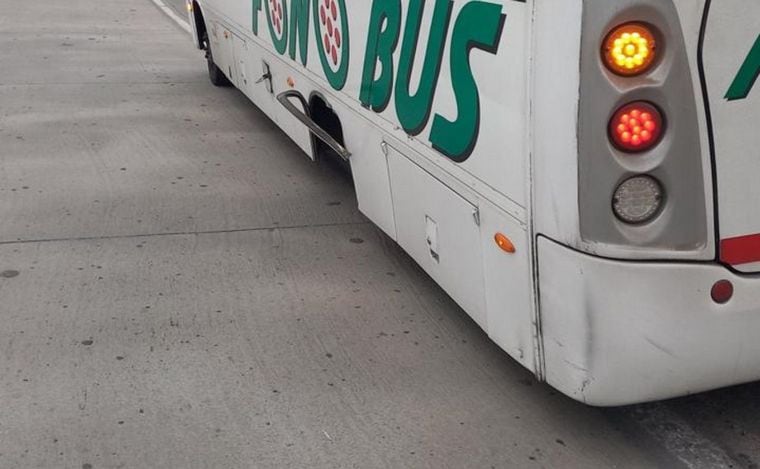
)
(200, 24)
(324, 116)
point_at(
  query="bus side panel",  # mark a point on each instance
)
(499, 73)
(451, 236)
(732, 67)
(498, 155)
(434, 195)
(508, 285)
(438, 228)
(556, 85)
(364, 140)
(369, 168)
(253, 65)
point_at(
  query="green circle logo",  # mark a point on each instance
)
(331, 30)
(277, 17)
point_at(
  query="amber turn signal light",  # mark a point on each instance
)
(630, 49)
(504, 243)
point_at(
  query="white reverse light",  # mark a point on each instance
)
(638, 199)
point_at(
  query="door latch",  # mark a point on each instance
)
(266, 77)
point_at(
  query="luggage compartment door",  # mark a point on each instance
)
(439, 229)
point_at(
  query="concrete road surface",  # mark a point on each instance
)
(181, 288)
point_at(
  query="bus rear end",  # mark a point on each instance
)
(648, 245)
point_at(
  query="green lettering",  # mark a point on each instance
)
(299, 28)
(479, 26)
(747, 75)
(280, 42)
(414, 110)
(384, 24)
(256, 5)
(335, 56)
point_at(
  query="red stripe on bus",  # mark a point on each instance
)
(740, 250)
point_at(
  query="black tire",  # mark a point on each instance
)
(215, 74)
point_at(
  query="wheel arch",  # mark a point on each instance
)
(200, 24)
(325, 116)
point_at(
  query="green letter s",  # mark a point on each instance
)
(479, 26)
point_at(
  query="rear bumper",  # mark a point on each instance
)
(617, 333)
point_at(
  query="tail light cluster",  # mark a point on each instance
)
(642, 169)
(630, 50)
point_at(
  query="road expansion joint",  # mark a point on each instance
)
(179, 233)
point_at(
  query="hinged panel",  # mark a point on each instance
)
(435, 226)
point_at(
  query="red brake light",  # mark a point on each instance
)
(636, 127)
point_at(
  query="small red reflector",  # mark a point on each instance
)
(636, 127)
(722, 292)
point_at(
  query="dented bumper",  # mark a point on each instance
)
(617, 333)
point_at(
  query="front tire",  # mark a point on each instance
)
(215, 74)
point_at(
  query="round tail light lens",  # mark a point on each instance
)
(630, 49)
(636, 127)
(638, 199)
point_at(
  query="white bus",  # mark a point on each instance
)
(579, 175)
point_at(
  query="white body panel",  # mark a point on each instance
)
(555, 119)
(450, 251)
(732, 43)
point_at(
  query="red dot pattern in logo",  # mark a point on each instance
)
(328, 15)
(275, 10)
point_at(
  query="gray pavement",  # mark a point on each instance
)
(178, 6)
(182, 288)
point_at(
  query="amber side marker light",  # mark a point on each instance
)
(504, 243)
(630, 49)
(636, 127)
